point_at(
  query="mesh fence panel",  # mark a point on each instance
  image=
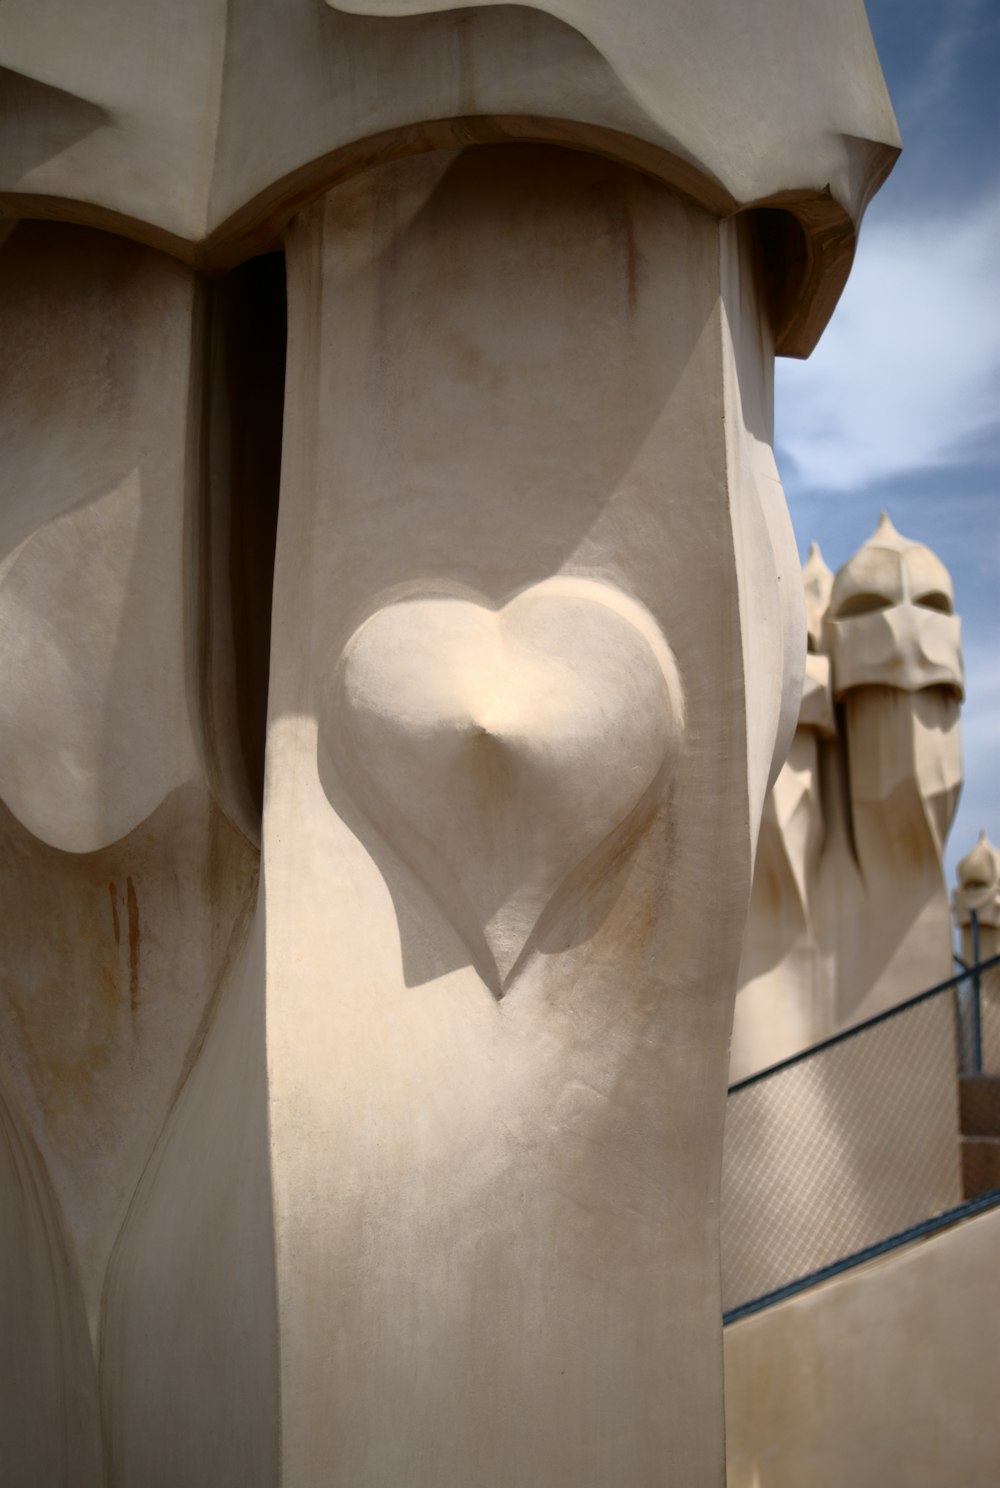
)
(843, 1148)
(990, 1014)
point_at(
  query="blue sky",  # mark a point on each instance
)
(899, 406)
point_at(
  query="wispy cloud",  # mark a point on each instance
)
(932, 84)
(900, 404)
(908, 374)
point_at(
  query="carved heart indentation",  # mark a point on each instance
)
(497, 749)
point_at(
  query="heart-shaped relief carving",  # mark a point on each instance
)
(496, 750)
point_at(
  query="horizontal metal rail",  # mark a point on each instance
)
(870, 1253)
(856, 1028)
(969, 975)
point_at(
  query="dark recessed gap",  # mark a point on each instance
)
(784, 261)
(248, 333)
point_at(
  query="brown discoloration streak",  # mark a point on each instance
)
(133, 944)
(622, 226)
(116, 922)
(631, 257)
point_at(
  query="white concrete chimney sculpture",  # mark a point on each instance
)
(895, 646)
(782, 1004)
(977, 894)
(849, 910)
(363, 1038)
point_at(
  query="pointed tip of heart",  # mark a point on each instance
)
(508, 939)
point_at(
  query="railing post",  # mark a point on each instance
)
(977, 1023)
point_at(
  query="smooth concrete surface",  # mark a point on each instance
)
(362, 1051)
(126, 891)
(887, 1377)
(782, 1005)
(895, 647)
(497, 1037)
(151, 121)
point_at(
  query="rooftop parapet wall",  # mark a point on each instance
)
(884, 1378)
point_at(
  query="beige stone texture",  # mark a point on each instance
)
(978, 890)
(490, 1070)
(96, 448)
(887, 1377)
(155, 123)
(49, 1416)
(891, 618)
(363, 1044)
(189, 1364)
(780, 1007)
(125, 889)
(895, 647)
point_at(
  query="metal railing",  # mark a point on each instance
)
(872, 1138)
(980, 1010)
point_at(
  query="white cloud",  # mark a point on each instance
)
(941, 69)
(907, 375)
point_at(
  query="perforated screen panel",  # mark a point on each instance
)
(843, 1148)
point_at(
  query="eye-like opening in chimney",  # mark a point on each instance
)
(784, 260)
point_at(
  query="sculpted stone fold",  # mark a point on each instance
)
(152, 124)
(479, 741)
(515, 1166)
(97, 334)
(891, 619)
(779, 1007)
(978, 888)
(125, 890)
(368, 1135)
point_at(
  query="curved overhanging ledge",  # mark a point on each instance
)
(808, 236)
(204, 139)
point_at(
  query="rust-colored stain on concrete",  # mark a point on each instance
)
(631, 258)
(133, 943)
(621, 225)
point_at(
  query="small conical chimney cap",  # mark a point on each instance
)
(817, 585)
(980, 867)
(892, 568)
